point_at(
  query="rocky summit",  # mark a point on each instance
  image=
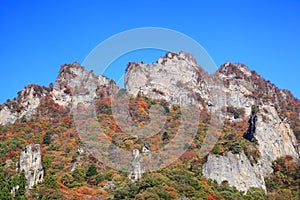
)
(255, 155)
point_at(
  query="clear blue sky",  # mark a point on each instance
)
(38, 36)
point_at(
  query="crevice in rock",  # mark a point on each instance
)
(249, 135)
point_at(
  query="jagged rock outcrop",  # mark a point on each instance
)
(178, 75)
(75, 84)
(136, 169)
(234, 168)
(238, 88)
(31, 163)
(245, 88)
(141, 162)
(109, 186)
(23, 106)
(275, 138)
(177, 78)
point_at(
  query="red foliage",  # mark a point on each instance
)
(188, 155)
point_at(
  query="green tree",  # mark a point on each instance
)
(92, 170)
(5, 193)
(47, 161)
(255, 194)
(100, 178)
(47, 138)
(165, 136)
(22, 183)
(4, 187)
(50, 181)
(67, 179)
(254, 109)
(79, 174)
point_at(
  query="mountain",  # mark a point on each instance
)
(245, 143)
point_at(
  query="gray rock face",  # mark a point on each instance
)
(14, 190)
(177, 78)
(275, 139)
(109, 186)
(177, 75)
(273, 134)
(136, 170)
(234, 168)
(31, 163)
(24, 106)
(75, 84)
(238, 90)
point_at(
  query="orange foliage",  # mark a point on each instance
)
(86, 190)
(211, 197)
(172, 191)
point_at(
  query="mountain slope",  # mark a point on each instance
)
(257, 139)
(244, 90)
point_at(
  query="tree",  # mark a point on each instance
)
(47, 138)
(254, 109)
(165, 136)
(5, 193)
(67, 180)
(92, 170)
(47, 161)
(50, 181)
(22, 182)
(4, 187)
(79, 174)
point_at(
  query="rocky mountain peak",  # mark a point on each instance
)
(69, 75)
(74, 79)
(232, 70)
(172, 77)
(172, 57)
(177, 75)
(22, 106)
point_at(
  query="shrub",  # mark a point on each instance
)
(216, 149)
(254, 109)
(92, 170)
(79, 174)
(147, 195)
(255, 194)
(50, 181)
(100, 178)
(165, 136)
(67, 179)
(47, 138)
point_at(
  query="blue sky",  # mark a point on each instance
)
(39, 36)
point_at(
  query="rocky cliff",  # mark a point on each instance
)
(31, 163)
(178, 75)
(75, 84)
(177, 78)
(136, 170)
(275, 139)
(23, 106)
(271, 130)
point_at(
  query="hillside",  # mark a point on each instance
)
(174, 132)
